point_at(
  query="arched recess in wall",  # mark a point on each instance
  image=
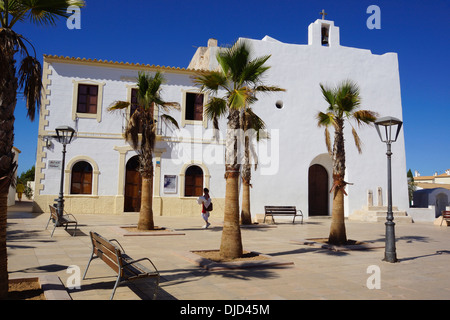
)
(68, 171)
(319, 184)
(184, 169)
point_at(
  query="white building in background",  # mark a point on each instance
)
(294, 166)
(435, 181)
(12, 189)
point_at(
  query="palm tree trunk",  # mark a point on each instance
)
(338, 234)
(246, 216)
(146, 213)
(3, 252)
(231, 242)
(8, 92)
(337, 230)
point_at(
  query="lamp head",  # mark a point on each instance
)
(64, 134)
(388, 125)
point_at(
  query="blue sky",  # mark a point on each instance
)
(167, 32)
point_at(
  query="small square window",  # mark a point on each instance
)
(87, 98)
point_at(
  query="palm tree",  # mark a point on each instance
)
(28, 78)
(141, 133)
(253, 127)
(343, 103)
(240, 79)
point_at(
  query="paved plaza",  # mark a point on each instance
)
(311, 273)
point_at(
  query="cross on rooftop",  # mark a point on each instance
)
(323, 14)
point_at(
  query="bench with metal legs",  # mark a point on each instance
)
(114, 256)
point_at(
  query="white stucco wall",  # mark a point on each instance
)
(100, 142)
(300, 69)
(296, 142)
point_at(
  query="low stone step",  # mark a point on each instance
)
(396, 213)
(379, 216)
(378, 208)
(397, 219)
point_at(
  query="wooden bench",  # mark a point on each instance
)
(282, 211)
(114, 256)
(445, 216)
(64, 220)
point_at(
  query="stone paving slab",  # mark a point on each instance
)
(317, 273)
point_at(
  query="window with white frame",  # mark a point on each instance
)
(87, 99)
(192, 108)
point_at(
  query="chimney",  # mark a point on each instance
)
(416, 173)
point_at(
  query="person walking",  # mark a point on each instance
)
(206, 203)
(20, 189)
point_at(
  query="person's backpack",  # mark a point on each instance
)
(210, 207)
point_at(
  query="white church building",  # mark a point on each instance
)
(294, 167)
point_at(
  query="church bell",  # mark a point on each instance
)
(324, 36)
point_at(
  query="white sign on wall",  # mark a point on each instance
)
(54, 164)
(170, 184)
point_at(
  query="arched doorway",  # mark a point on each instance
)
(441, 203)
(133, 183)
(193, 183)
(318, 191)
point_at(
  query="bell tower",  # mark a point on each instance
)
(323, 33)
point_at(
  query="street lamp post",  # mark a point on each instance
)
(64, 135)
(390, 128)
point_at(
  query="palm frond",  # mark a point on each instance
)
(239, 98)
(211, 82)
(118, 105)
(166, 106)
(41, 12)
(174, 105)
(329, 96)
(154, 83)
(142, 87)
(30, 79)
(11, 39)
(358, 142)
(234, 60)
(170, 120)
(263, 88)
(133, 129)
(365, 116)
(253, 70)
(253, 122)
(148, 136)
(325, 119)
(344, 101)
(347, 97)
(328, 141)
(215, 108)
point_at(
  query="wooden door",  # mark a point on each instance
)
(133, 184)
(318, 191)
(193, 184)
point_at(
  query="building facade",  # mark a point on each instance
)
(294, 167)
